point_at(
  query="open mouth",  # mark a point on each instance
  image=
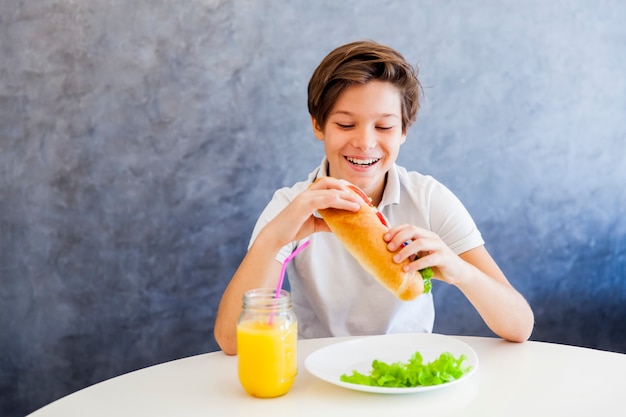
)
(362, 162)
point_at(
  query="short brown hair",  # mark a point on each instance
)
(358, 63)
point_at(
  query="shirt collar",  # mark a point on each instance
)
(391, 195)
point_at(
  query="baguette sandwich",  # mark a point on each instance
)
(361, 233)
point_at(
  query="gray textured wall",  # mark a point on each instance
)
(139, 141)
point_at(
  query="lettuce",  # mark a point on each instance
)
(427, 274)
(414, 373)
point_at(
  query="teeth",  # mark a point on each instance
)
(363, 161)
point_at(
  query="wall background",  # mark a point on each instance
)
(140, 140)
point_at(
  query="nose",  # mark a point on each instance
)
(364, 138)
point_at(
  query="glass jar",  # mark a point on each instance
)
(267, 338)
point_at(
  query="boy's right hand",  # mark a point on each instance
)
(298, 221)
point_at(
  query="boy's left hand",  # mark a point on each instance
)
(431, 251)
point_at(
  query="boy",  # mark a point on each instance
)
(363, 97)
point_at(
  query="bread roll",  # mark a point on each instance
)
(361, 233)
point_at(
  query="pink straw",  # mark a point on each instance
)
(284, 268)
(282, 272)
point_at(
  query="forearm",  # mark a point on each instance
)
(259, 269)
(502, 308)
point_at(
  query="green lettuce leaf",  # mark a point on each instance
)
(427, 274)
(415, 372)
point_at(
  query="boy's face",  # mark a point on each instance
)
(363, 134)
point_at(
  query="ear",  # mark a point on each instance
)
(403, 138)
(317, 130)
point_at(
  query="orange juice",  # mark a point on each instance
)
(267, 351)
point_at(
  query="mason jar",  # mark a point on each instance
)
(267, 338)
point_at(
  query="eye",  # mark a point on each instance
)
(384, 127)
(344, 125)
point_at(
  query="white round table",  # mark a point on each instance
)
(528, 379)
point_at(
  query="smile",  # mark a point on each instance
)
(362, 162)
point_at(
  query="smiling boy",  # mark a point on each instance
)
(363, 97)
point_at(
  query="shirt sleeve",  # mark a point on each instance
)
(279, 201)
(452, 222)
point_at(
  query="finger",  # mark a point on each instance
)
(401, 236)
(340, 200)
(406, 252)
(419, 264)
(336, 198)
(327, 183)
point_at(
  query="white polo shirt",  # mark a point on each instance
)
(333, 295)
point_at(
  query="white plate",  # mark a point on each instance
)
(330, 362)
